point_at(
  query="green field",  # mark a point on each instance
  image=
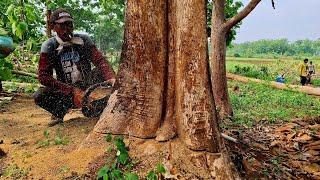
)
(268, 69)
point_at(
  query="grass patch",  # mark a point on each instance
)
(14, 172)
(257, 101)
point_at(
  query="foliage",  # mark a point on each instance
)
(231, 9)
(276, 48)
(57, 140)
(258, 101)
(15, 172)
(122, 165)
(5, 69)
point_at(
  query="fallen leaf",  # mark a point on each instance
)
(275, 143)
(312, 168)
(290, 136)
(296, 164)
(316, 126)
(287, 127)
(303, 139)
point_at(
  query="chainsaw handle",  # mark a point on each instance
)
(86, 107)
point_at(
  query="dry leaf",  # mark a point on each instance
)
(287, 127)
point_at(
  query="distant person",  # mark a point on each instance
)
(280, 79)
(311, 71)
(303, 72)
(70, 55)
(311, 68)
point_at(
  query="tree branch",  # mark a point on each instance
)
(24, 73)
(241, 15)
(272, 2)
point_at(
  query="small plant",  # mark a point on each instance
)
(46, 142)
(122, 164)
(15, 172)
(58, 140)
(153, 175)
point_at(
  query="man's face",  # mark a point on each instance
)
(64, 30)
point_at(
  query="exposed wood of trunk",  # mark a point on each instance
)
(218, 60)
(135, 108)
(304, 89)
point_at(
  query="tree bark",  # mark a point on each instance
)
(163, 87)
(135, 108)
(220, 28)
(1, 88)
(48, 29)
(218, 60)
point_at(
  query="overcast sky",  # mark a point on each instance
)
(292, 19)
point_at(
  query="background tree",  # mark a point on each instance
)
(231, 9)
(221, 25)
(163, 88)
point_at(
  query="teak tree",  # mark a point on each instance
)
(220, 27)
(163, 87)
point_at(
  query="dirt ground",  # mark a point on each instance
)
(31, 150)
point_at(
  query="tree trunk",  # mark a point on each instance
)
(218, 77)
(135, 108)
(48, 29)
(1, 88)
(218, 60)
(163, 88)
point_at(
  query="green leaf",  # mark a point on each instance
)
(131, 176)
(51, 6)
(3, 31)
(30, 13)
(152, 176)
(14, 27)
(10, 9)
(21, 29)
(123, 158)
(108, 138)
(5, 73)
(103, 173)
(46, 133)
(116, 174)
(160, 169)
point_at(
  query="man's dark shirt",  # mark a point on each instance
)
(72, 64)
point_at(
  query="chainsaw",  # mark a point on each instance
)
(94, 107)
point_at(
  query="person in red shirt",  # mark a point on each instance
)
(71, 56)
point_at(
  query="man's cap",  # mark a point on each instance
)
(60, 15)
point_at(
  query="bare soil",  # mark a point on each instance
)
(264, 151)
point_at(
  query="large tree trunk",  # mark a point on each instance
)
(218, 60)
(135, 108)
(163, 86)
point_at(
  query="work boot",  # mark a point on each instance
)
(55, 120)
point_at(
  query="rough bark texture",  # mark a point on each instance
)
(48, 30)
(218, 60)
(136, 106)
(163, 86)
(195, 108)
(220, 27)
